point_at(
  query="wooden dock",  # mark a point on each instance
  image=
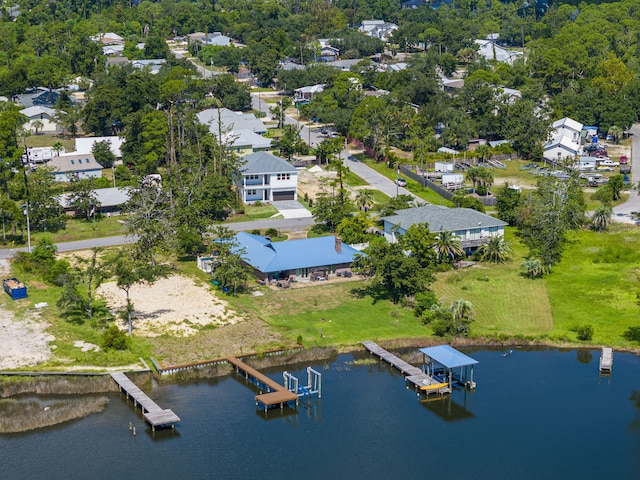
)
(606, 360)
(276, 393)
(412, 374)
(152, 412)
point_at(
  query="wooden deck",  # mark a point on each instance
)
(412, 374)
(152, 412)
(276, 393)
(606, 360)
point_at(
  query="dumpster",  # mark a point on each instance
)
(15, 288)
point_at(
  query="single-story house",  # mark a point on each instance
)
(117, 61)
(305, 94)
(110, 199)
(267, 178)
(85, 144)
(153, 65)
(231, 121)
(109, 38)
(473, 228)
(559, 148)
(215, 38)
(345, 65)
(377, 28)
(492, 51)
(39, 96)
(245, 142)
(44, 115)
(305, 258)
(84, 166)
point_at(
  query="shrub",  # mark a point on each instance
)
(632, 334)
(271, 232)
(585, 332)
(256, 231)
(257, 203)
(114, 338)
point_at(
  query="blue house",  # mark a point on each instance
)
(309, 258)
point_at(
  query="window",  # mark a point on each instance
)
(283, 176)
(72, 162)
(251, 192)
(86, 160)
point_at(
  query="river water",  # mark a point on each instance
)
(540, 414)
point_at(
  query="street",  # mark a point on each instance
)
(622, 213)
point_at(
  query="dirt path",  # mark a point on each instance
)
(25, 342)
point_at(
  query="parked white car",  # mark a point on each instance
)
(609, 163)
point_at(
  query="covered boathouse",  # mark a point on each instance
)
(449, 365)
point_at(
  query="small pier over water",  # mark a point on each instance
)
(276, 394)
(413, 374)
(606, 360)
(152, 412)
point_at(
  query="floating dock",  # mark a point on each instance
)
(413, 374)
(276, 394)
(152, 412)
(606, 360)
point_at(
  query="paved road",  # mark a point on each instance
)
(622, 212)
(285, 224)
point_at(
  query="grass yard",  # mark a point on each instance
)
(596, 283)
(252, 212)
(353, 180)
(343, 318)
(42, 140)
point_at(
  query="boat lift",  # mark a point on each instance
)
(313, 387)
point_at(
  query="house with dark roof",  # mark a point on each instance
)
(267, 178)
(308, 258)
(82, 165)
(473, 228)
(39, 96)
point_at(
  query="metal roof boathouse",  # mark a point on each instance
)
(446, 361)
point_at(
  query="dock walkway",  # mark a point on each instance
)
(152, 412)
(606, 360)
(276, 393)
(412, 373)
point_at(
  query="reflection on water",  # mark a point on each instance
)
(446, 408)
(584, 356)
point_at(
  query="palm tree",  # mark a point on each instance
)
(533, 268)
(615, 132)
(37, 125)
(601, 218)
(364, 199)
(473, 175)
(447, 246)
(57, 147)
(495, 250)
(462, 310)
(483, 151)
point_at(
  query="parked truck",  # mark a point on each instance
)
(15, 288)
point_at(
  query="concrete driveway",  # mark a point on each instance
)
(292, 209)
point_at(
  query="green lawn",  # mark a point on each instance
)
(75, 230)
(49, 140)
(252, 212)
(343, 318)
(353, 180)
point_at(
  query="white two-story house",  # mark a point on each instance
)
(267, 178)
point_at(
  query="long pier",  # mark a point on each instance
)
(412, 374)
(276, 393)
(152, 412)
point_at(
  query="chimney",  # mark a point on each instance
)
(338, 245)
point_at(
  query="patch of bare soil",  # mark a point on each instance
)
(23, 343)
(173, 306)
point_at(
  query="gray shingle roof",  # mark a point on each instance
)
(265, 162)
(231, 120)
(74, 163)
(448, 219)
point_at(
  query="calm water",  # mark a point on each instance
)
(535, 415)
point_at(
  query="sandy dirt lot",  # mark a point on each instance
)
(24, 342)
(173, 305)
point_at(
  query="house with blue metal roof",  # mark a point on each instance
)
(267, 178)
(306, 258)
(473, 228)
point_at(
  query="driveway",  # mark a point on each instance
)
(292, 209)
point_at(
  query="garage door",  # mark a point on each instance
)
(278, 196)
